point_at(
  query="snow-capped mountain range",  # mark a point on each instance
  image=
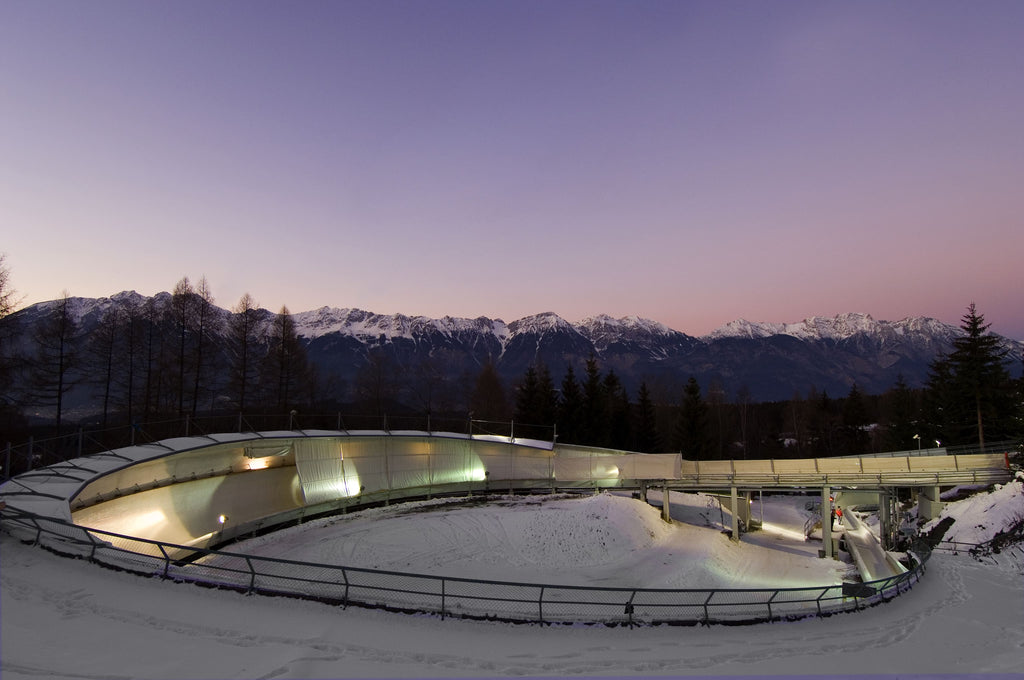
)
(773, 361)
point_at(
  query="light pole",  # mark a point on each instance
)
(918, 438)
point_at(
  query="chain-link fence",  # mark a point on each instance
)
(445, 596)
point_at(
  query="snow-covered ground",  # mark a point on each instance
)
(66, 618)
(600, 540)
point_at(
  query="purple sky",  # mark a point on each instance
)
(690, 162)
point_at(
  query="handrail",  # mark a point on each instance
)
(451, 596)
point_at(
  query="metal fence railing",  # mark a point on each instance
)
(447, 596)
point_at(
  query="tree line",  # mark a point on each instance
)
(178, 355)
(970, 399)
(160, 357)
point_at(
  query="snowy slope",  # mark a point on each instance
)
(66, 618)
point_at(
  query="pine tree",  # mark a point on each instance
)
(489, 401)
(692, 433)
(617, 413)
(595, 424)
(901, 417)
(974, 385)
(570, 408)
(527, 397)
(854, 419)
(646, 425)
(547, 398)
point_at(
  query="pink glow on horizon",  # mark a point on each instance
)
(691, 163)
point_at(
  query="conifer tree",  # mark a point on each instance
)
(692, 433)
(594, 416)
(974, 385)
(547, 399)
(288, 368)
(243, 339)
(646, 425)
(900, 416)
(527, 397)
(617, 409)
(854, 419)
(570, 407)
(205, 322)
(53, 368)
(182, 306)
(105, 351)
(489, 401)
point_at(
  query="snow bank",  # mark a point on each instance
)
(992, 519)
(980, 517)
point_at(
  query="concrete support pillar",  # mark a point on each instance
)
(884, 520)
(665, 511)
(929, 503)
(643, 491)
(826, 521)
(734, 497)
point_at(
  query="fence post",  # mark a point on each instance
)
(252, 577)
(7, 462)
(707, 613)
(31, 448)
(81, 435)
(167, 560)
(540, 606)
(442, 598)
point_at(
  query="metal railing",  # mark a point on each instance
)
(448, 596)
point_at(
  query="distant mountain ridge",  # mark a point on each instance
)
(770, 361)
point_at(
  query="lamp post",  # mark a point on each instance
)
(918, 438)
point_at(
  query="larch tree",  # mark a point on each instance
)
(105, 356)
(205, 323)
(288, 366)
(182, 308)
(243, 338)
(53, 368)
(7, 331)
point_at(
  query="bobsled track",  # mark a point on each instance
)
(163, 509)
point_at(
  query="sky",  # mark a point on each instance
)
(688, 162)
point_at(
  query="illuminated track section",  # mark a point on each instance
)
(156, 509)
(202, 491)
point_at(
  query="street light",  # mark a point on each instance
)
(918, 438)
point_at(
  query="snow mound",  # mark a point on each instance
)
(584, 532)
(981, 517)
